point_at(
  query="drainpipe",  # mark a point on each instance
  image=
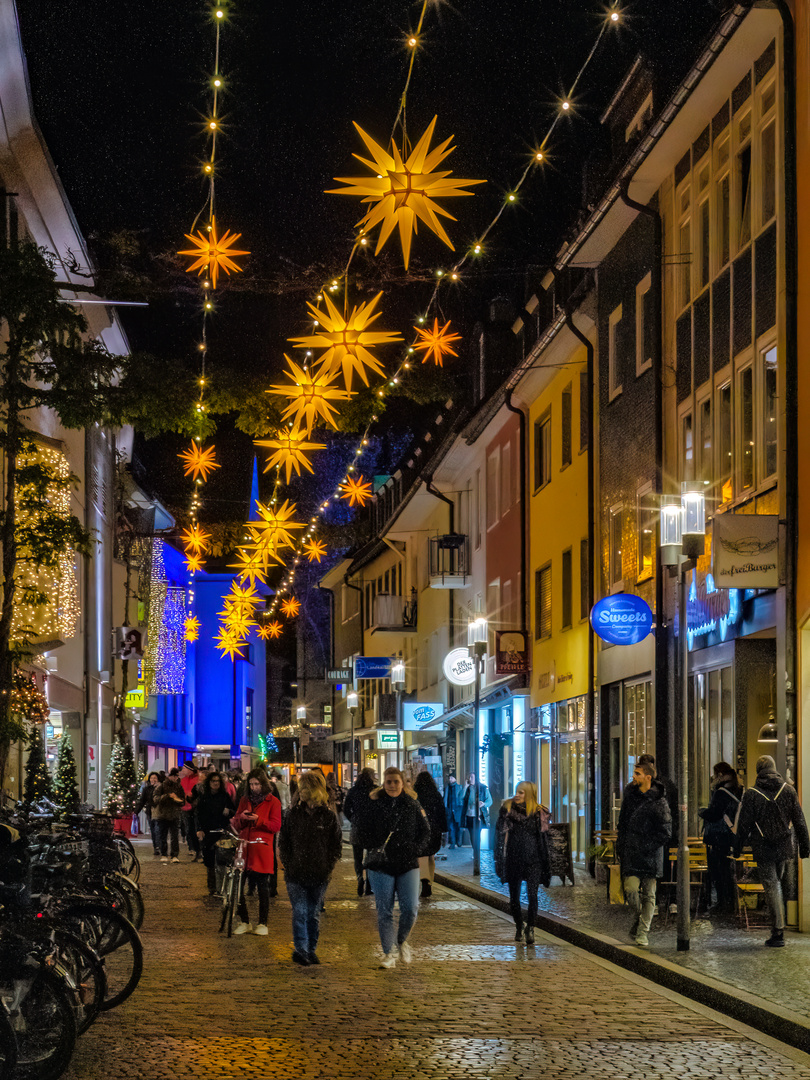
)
(331, 602)
(591, 696)
(357, 589)
(450, 592)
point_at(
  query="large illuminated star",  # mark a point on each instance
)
(310, 397)
(249, 565)
(347, 341)
(229, 644)
(436, 342)
(291, 448)
(357, 490)
(270, 630)
(213, 253)
(402, 193)
(315, 550)
(191, 628)
(291, 607)
(274, 527)
(195, 539)
(199, 462)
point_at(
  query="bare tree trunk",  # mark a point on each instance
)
(8, 539)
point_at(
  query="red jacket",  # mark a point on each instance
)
(188, 783)
(259, 856)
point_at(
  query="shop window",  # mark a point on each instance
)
(542, 585)
(645, 324)
(725, 444)
(584, 577)
(565, 424)
(614, 373)
(645, 524)
(639, 724)
(746, 449)
(615, 555)
(770, 414)
(567, 588)
(714, 725)
(542, 451)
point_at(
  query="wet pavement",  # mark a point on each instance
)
(720, 949)
(472, 1004)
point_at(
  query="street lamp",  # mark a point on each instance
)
(301, 715)
(398, 685)
(477, 641)
(683, 540)
(351, 702)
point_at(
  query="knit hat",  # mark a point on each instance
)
(192, 768)
(766, 764)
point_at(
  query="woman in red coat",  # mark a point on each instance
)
(258, 817)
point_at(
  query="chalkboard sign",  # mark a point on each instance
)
(559, 851)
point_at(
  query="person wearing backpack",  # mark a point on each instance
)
(718, 821)
(770, 815)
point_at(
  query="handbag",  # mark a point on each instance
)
(377, 857)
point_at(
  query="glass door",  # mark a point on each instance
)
(570, 788)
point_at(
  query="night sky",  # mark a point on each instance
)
(119, 90)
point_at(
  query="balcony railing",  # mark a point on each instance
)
(394, 613)
(449, 561)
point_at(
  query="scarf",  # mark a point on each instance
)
(255, 797)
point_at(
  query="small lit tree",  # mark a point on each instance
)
(121, 789)
(37, 777)
(65, 788)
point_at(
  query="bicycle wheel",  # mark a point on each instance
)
(40, 1012)
(232, 901)
(115, 939)
(134, 898)
(130, 866)
(8, 1047)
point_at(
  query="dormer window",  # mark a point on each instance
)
(640, 121)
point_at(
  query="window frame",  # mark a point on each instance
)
(614, 319)
(567, 595)
(741, 369)
(566, 425)
(642, 291)
(542, 421)
(645, 512)
(539, 573)
(615, 585)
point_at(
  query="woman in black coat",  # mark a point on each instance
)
(394, 820)
(433, 804)
(521, 853)
(718, 818)
(212, 811)
(354, 806)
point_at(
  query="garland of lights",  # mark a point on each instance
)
(165, 657)
(407, 172)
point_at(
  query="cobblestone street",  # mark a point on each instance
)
(472, 1004)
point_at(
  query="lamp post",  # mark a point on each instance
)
(683, 540)
(301, 715)
(477, 640)
(351, 702)
(398, 684)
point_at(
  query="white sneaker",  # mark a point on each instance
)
(164, 858)
(175, 859)
(244, 928)
(389, 961)
(261, 930)
(405, 952)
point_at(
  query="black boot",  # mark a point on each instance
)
(518, 931)
(368, 888)
(427, 889)
(530, 935)
(777, 939)
(360, 885)
(212, 880)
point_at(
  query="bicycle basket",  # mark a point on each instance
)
(225, 851)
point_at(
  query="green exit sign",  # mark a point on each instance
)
(387, 740)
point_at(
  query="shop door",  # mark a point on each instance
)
(570, 787)
(714, 737)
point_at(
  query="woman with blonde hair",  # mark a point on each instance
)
(310, 844)
(521, 853)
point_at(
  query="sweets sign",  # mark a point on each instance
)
(623, 619)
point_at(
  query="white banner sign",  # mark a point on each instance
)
(459, 667)
(745, 551)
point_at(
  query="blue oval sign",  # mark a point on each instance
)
(623, 619)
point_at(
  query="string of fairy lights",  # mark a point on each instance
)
(405, 187)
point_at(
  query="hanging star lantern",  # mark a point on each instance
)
(229, 644)
(275, 522)
(250, 566)
(191, 628)
(357, 490)
(199, 462)
(402, 193)
(291, 448)
(195, 539)
(315, 550)
(436, 342)
(194, 563)
(290, 607)
(347, 341)
(310, 397)
(213, 253)
(243, 597)
(270, 630)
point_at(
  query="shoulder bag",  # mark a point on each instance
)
(377, 858)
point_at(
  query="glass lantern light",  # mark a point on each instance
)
(352, 700)
(671, 530)
(398, 672)
(693, 502)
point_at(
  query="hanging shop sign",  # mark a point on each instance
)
(745, 551)
(128, 643)
(459, 667)
(710, 610)
(387, 740)
(339, 675)
(372, 667)
(136, 699)
(511, 654)
(92, 770)
(623, 619)
(418, 714)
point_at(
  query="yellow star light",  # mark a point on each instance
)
(290, 607)
(315, 550)
(243, 597)
(199, 462)
(404, 191)
(250, 566)
(275, 524)
(194, 563)
(347, 341)
(436, 342)
(213, 254)
(195, 539)
(310, 397)
(191, 628)
(291, 448)
(357, 491)
(270, 630)
(229, 644)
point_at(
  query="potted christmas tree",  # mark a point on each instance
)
(121, 789)
(65, 788)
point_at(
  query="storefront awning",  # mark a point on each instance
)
(346, 734)
(461, 716)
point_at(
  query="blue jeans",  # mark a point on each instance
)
(453, 832)
(306, 903)
(154, 828)
(406, 888)
(770, 874)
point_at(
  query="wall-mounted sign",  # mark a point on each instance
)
(128, 643)
(511, 654)
(92, 769)
(372, 667)
(745, 551)
(459, 667)
(338, 675)
(387, 740)
(623, 619)
(136, 699)
(417, 714)
(710, 610)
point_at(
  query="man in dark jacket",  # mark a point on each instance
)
(645, 825)
(452, 804)
(771, 816)
(475, 791)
